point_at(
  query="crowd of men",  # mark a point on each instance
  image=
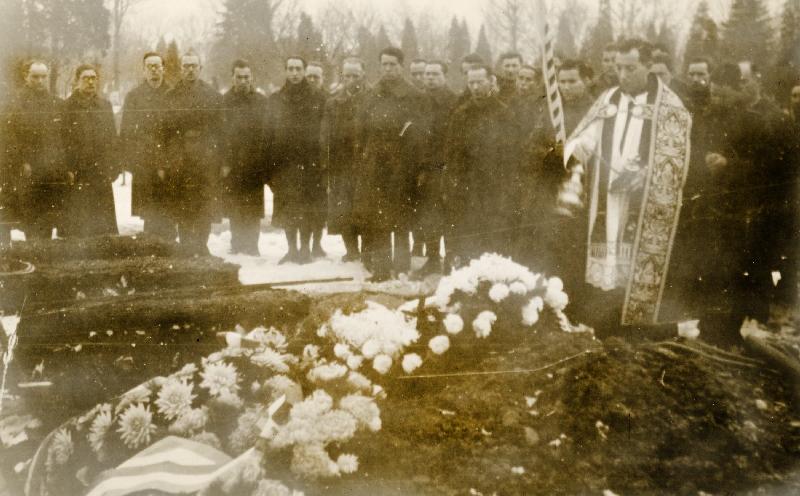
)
(407, 158)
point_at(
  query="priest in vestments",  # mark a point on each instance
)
(633, 146)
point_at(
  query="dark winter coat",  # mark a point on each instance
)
(141, 133)
(392, 131)
(245, 153)
(31, 134)
(296, 176)
(90, 148)
(339, 156)
(193, 138)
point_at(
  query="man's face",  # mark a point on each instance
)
(390, 67)
(37, 77)
(796, 97)
(295, 72)
(632, 72)
(154, 69)
(698, 74)
(190, 68)
(87, 82)
(434, 76)
(479, 83)
(242, 78)
(353, 76)
(570, 85)
(418, 71)
(526, 80)
(511, 68)
(609, 63)
(314, 76)
(662, 72)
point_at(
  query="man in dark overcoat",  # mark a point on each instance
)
(141, 134)
(90, 146)
(245, 161)
(339, 155)
(480, 173)
(192, 144)
(297, 180)
(33, 190)
(392, 134)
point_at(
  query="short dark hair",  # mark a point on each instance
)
(572, 64)
(393, 52)
(440, 63)
(355, 60)
(644, 48)
(419, 60)
(511, 55)
(152, 54)
(702, 60)
(477, 67)
(473, 58)
(85, 67)
(611, 47)
(294, 57)
(239, 64)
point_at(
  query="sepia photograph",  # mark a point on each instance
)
(399, 248)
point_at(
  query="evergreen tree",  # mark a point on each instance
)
(309, 40)
(409, 44)
(161, 46)
(600, 35)
(747, 34)
(172, 64)
(382, 40)
(565, 37)
(666, 39)
(483, 49)
(703, 36)
(651, 34)
(458, 41)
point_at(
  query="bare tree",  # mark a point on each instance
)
(512, 26)
(119, 10)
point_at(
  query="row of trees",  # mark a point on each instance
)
(66, 32)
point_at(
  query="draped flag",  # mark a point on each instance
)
(549, 73)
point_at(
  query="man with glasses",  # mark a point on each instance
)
(142, 120)
(193, 166)
(90, 137)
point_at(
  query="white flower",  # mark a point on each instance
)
(363, 409)
(453, 323)
(483, 323)
(518, 287)
(189, 422)
(313, 406)
(359, 381)
(555, 296)
(499, 292)
(347, 463)
(371, 348)
(311, 352)
(271, 337)
(354, 361)
(175, 398)
(439, 344)
(555, 284)
(270, 358)
(312, 461)
(335, 426)
(136, 425)
(62, 446)
(280, 385)
(381, 363)
(97, 432)
(327, 372)
(530, 312)
(342, 351)
(220, 378)
(411, 362)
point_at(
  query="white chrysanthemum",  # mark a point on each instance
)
(136, 425)
(139, 394)
(269, 337)
(439, 344)
(483, 323)
(359, 381)
(348, 464)
(556, 299)
(312, 461)
(371, 348)
(555, 284)
(97, 432)
(311, 352)
(313, 406)
(382, 363)
(327, 372)
(220, 378)
(530, 312)
(411, 362)
(499, 292)
(190, 422)
(363, 409)
(270, 358)
(62, 446)
(453, 323)
(342, 351)
(280, 385)
(335, 426)
(518, 287)
(354, 361)
(175, 398)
